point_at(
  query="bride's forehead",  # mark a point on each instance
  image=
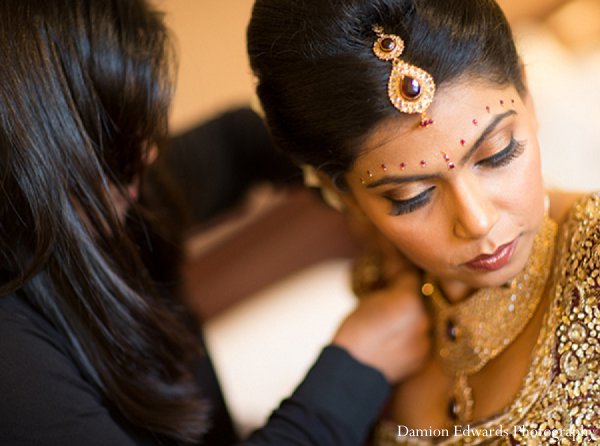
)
(459, 111)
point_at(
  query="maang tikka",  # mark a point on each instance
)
(410, 88)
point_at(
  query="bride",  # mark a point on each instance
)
(416, 117)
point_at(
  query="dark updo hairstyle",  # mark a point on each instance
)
(322, 88)
(84, 93)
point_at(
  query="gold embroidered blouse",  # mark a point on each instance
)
(559, 401)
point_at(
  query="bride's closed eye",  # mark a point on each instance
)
(505, 156)
(400, 207)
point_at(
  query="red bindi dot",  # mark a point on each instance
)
(451, 165)
(446, 157)
(475, 122)
(384, 167)
(502, 102)
(402, 166)
(462, 142)
(423, 163)
(370, 174)
(488, 109)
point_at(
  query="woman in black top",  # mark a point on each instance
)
(93, 348)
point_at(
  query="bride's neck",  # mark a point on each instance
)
(455, 291)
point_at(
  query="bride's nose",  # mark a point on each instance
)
(474, 211)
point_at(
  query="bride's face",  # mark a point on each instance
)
(462, 198)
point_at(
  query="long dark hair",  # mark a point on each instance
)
(85, 90)
(322, 89)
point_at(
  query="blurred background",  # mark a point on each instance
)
(268, 263)
(213, 67)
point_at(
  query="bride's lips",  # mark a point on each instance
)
(492, 262)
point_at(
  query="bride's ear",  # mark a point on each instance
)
(332, 194)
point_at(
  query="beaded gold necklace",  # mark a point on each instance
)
(472, 332)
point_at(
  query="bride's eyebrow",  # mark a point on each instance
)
(489, 129)
(399, 179)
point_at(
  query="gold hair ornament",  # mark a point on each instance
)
(410, 88)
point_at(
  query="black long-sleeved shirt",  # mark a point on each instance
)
(45, 399)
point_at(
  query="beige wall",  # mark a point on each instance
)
(213, 67)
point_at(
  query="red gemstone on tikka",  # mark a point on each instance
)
(411, 89)
(388, 44)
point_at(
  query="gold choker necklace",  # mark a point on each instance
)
(472, 332)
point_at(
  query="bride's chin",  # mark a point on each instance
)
(461, 287)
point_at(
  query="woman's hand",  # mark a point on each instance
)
(389, 329)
